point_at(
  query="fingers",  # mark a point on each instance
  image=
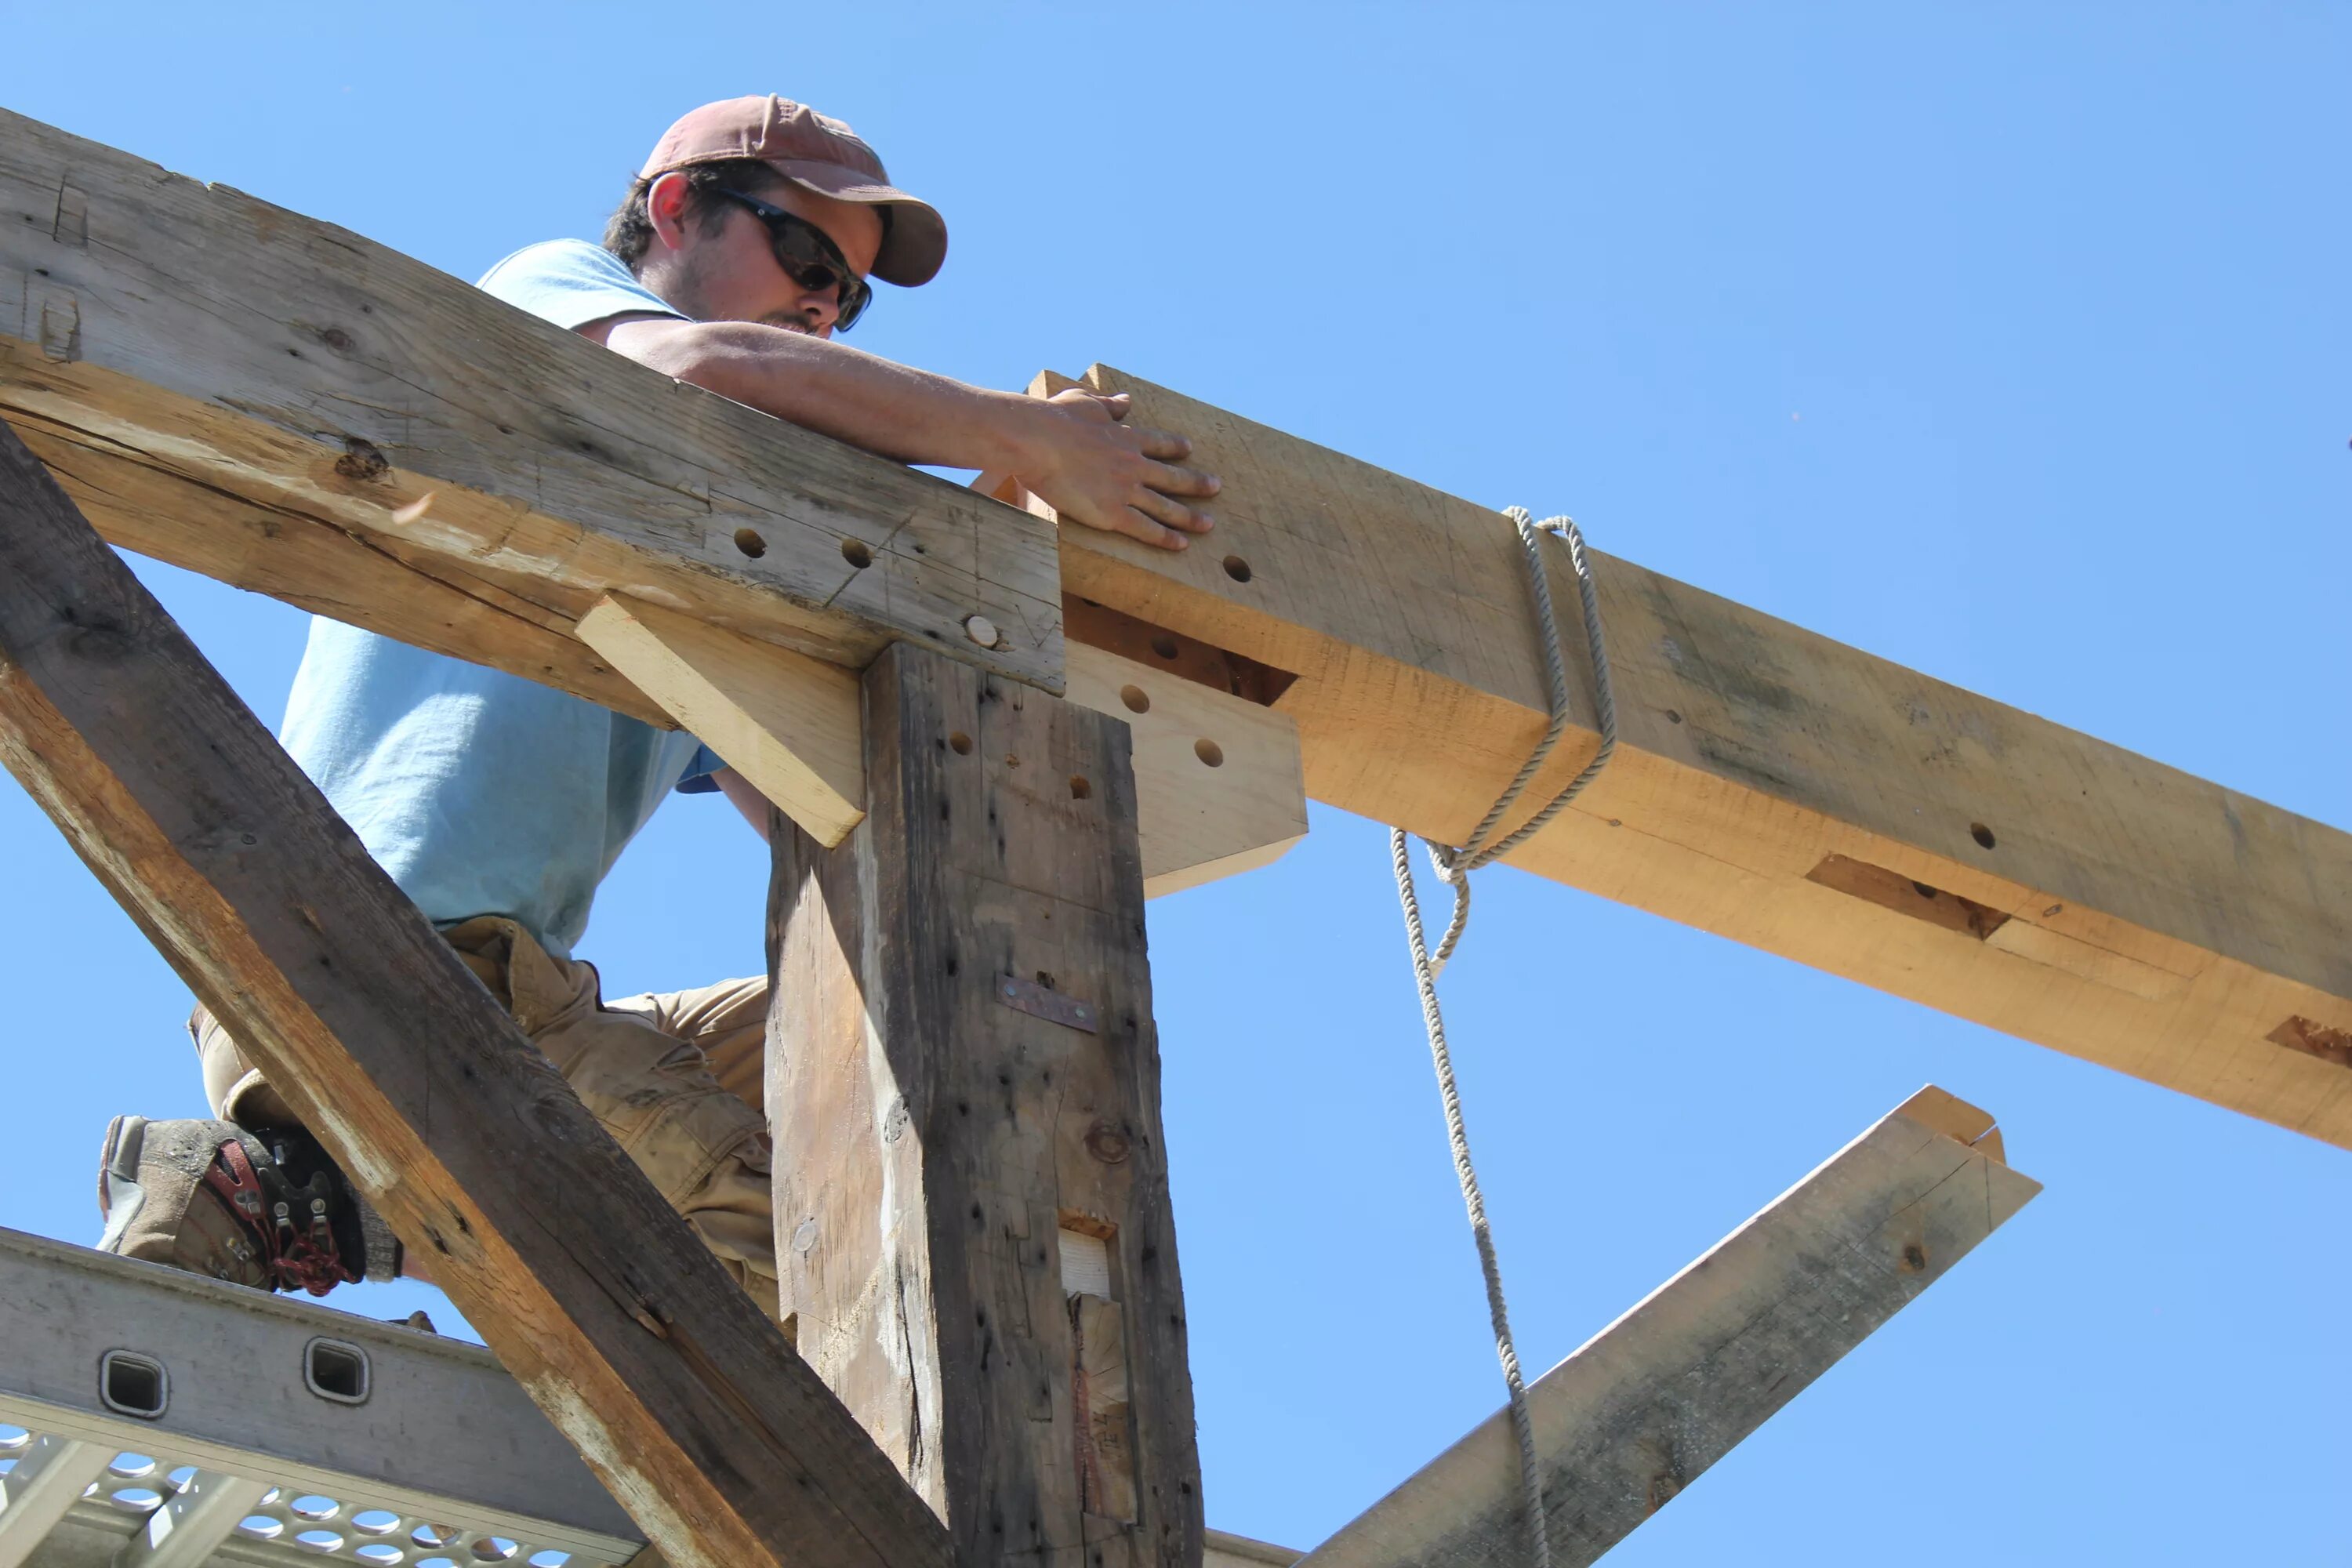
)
(1165, 444)
(1174, 513)
(1091, 405)
(1135, 525)
(1172, 480)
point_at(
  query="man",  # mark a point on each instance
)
(743, 246)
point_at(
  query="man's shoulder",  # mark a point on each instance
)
(570, 282)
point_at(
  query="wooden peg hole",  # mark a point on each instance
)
(1210, 752)
(1981, 834)
(1164, 646)
(1137, 701)
(748, 541)
(853, 550)
(1237, 569)
(959, 743)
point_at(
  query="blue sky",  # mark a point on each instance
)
(2010, 342)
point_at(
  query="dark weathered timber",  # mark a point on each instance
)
(723, 1446)
(936, 1139)
(172, 347)
(1623, 1426)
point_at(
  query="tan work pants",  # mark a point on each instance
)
(675, 1078)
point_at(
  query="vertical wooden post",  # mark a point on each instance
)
(971, 1188)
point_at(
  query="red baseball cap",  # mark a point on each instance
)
(816, 152)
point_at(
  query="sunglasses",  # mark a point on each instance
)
(809, 257)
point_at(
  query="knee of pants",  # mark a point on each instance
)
(658, 1098)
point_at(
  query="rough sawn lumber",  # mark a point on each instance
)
(1623, 1426)
(2128, 913)
(253, 394)
(723, 1446)
(963, 1075)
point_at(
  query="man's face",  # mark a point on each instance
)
(732, 275)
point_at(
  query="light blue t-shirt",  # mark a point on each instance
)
(482, 793)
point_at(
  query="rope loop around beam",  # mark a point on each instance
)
(1454, 866)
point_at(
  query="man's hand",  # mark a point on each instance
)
(1118, 478)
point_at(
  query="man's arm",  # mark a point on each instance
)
(1070, 450)
(744, 798)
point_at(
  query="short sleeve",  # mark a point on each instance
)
(570, 283)
(697, 779)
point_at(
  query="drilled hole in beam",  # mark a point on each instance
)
(1208, 752)
(959, 743)
(855, 551)
(1137, 701)
(748, 541)
(1237, 569)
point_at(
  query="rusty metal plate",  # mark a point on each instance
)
(1042, 1002)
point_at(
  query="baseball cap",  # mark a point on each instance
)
(816, 152)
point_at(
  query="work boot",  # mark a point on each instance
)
(267, 1209)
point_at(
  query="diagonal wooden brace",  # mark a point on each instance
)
(721, 1442)
(1623, 1426)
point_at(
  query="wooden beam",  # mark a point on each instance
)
(679, 1393)
(257, 395)
(1217, 780)
(1771, 785)
(785, 721)
(1627, 1422)
(971, 1184)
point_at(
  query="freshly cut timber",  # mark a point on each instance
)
(1627, 1422)
(1771, 785)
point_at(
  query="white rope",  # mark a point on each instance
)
(1454, 867)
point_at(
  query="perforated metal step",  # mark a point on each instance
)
(154, 1420)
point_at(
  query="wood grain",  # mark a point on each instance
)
(722, 1445)
(1217, 780)
(933, 1139)
(787, 722)
(1634, 1417)
(2148, 920)
(174, 334)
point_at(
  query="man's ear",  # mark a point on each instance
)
(665, 209)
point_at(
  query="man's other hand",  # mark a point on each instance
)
(1097, 471)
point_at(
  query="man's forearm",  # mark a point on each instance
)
(887, 408)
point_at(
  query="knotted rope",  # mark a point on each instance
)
(1454, 867)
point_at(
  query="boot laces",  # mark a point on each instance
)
(292, 1229)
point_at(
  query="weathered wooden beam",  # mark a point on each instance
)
(971, 1184)
(679, 1393)
(2126, 912)
(256, 395)
(1623, 1426)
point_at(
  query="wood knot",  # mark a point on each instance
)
(361, 460)
(337, 339)
(1108, 1144)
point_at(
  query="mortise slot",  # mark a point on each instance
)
(1893, 891)
(2313, 1038)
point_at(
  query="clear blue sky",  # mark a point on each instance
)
(2010, 342)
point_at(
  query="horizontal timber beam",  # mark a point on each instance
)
(1627, 1422)
(270, 400)
(675, 1388)
(1771, 785)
